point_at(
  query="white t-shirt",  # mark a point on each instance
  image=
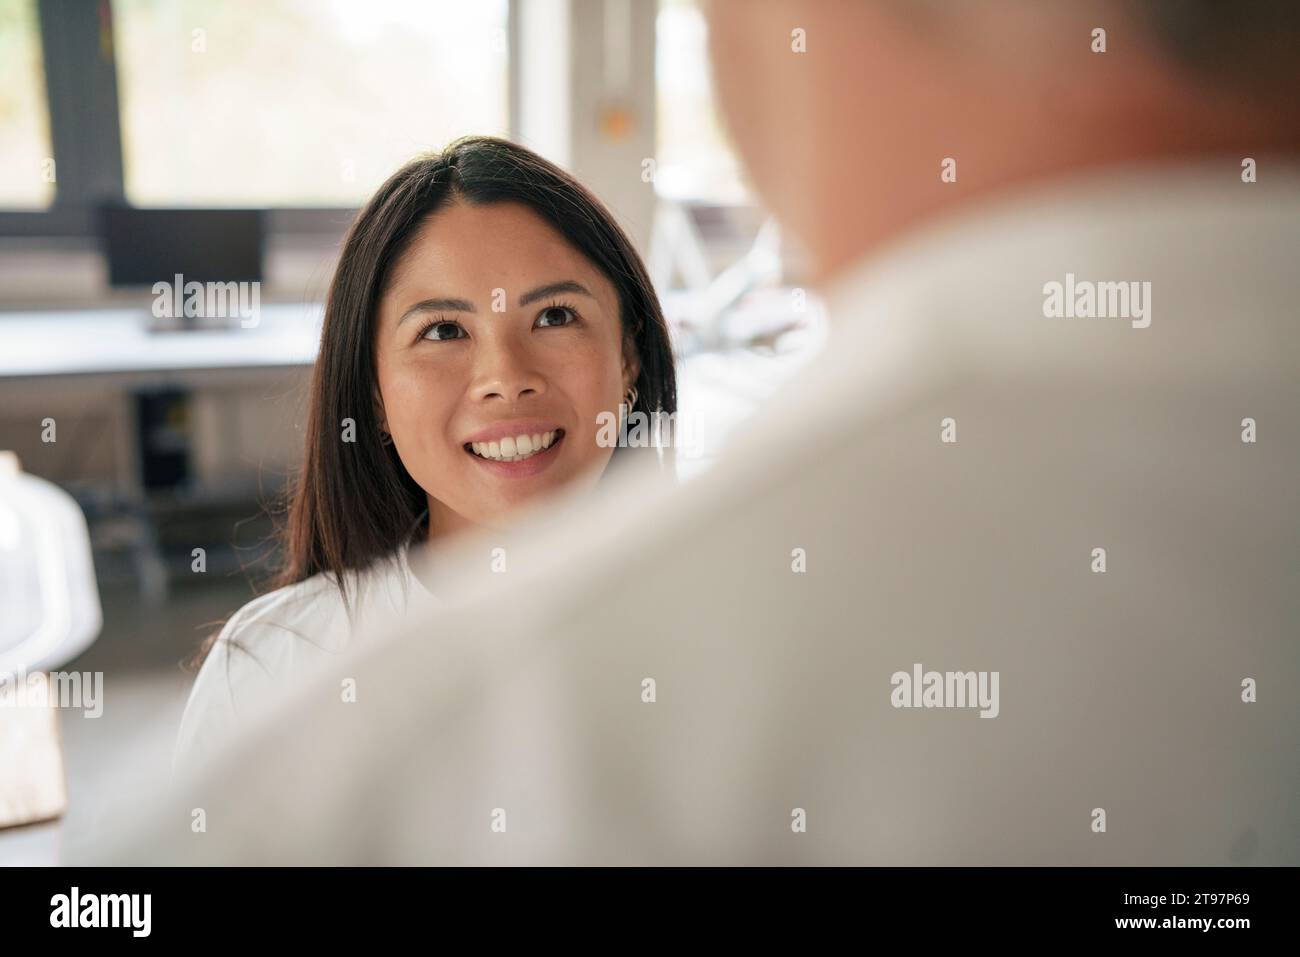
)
(275, 641)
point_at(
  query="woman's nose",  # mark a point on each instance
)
(503, 370)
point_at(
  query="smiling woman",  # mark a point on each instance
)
(486, 314)
(493, 329)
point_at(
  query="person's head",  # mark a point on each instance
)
(486, 317)
(845, 141)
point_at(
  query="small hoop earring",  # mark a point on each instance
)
(630, 399)
(385, 438)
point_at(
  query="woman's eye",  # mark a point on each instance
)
(444, 330)
(556, 316)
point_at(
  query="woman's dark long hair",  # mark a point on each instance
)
(353, 501)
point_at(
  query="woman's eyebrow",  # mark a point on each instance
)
(464, 305)
(554, 289)
(437, 305)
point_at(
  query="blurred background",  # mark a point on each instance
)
(232, 141)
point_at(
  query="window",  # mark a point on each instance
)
(695, 160)
(27, 170)
(299, 102)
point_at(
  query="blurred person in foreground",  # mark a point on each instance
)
(1051, 449)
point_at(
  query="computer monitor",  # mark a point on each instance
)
(145, 246)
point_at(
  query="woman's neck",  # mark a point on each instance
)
(444, 525)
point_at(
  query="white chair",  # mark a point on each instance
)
(51, 614)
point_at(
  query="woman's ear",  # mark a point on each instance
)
(380, 416)
(631, 366)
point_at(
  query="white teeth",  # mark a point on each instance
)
(514, 449)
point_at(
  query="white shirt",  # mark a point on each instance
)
(275, 643)
(657, 681)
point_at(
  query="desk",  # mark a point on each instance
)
(120, 342)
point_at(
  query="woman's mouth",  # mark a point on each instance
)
(519, 456)
(519, 448)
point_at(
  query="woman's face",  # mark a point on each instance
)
(497, 347)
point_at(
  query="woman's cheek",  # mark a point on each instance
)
(592, 375)
(419, 406)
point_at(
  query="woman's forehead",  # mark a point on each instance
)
(482, 248)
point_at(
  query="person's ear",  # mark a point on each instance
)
(380, 415)
(631, 366)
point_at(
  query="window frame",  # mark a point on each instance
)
(86, 135)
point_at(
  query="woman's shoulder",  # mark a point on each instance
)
(311, 615)
(281, 631)
(303, 610)
(260, 647)
(271, 642)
